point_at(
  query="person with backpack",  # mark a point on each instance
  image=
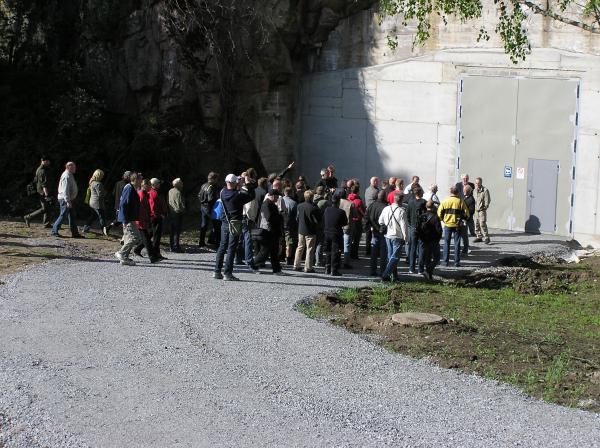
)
(415, 208)
(268, 232)
(357, 221)
(378, 246)
(429, 232)
(41, 186)
(207, 197)
(393, 217)
(97, 193)
(233, 197)
(451, 212)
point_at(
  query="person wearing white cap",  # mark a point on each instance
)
(233, 199)
(176, 211)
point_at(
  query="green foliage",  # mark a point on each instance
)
(511, 15)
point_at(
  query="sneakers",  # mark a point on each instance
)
(105, 230)
(127, 262)
(231, 278)
(218, 276)
(411, 272)
(477, 240)
(487, 241)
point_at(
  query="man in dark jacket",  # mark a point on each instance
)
(269, 232)
(335, 220)
(42, 188)
(208, 195)
(469, 228)
(378, 246)
(233, 199)
(415, 208)
(117, 191)
(129, 209)
(308, 223)
(429, 231)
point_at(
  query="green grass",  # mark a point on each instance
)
(547, 344)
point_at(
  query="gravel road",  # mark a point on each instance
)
(96, 354)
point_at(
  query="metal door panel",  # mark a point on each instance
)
(542, 184)
(487, 112)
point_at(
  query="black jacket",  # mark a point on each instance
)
(234, 200)
(270, 219)
(415, 208)
(208, 195)
(308, 218)
(429, 229)
(371, 218)
(470, 203)
(335, 220)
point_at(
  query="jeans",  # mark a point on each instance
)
(413, 249)
(68, 212)
(378, 253)
(97, 214)
(245, 250)
(394, 248)
(227, 246)
(452, 232)
(347, 243)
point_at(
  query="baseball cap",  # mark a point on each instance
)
(231, 179)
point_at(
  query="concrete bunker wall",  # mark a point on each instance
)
(402, 119)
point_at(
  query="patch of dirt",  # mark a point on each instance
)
(22, 246)
(534, 275)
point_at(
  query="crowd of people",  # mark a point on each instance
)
(253, 220)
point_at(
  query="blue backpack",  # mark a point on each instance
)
(217, 211)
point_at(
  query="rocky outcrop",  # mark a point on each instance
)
(142, 72)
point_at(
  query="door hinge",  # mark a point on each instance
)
(572, 199)
(575, 146)
(570, 226)
(460, 111)
(576, 118)
(573, 173)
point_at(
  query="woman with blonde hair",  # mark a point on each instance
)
(96, 196)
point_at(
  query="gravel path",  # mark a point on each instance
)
(95, 354)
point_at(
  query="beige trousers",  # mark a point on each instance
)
(305, 243)
(481, 229)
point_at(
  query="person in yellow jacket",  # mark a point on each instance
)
(452, 212)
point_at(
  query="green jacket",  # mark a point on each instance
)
(41, 179)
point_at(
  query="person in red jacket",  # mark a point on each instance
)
(356, 221)
(399, 189)
(144, 223)
(158, 212)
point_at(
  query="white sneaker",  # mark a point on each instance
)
(127, 262)
(119, 256)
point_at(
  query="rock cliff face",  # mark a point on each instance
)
(142, 72)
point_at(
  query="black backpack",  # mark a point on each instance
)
(203, 195)
(426, 230)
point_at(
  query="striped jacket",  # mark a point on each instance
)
(452, 210)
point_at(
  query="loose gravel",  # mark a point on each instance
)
(97, 354)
